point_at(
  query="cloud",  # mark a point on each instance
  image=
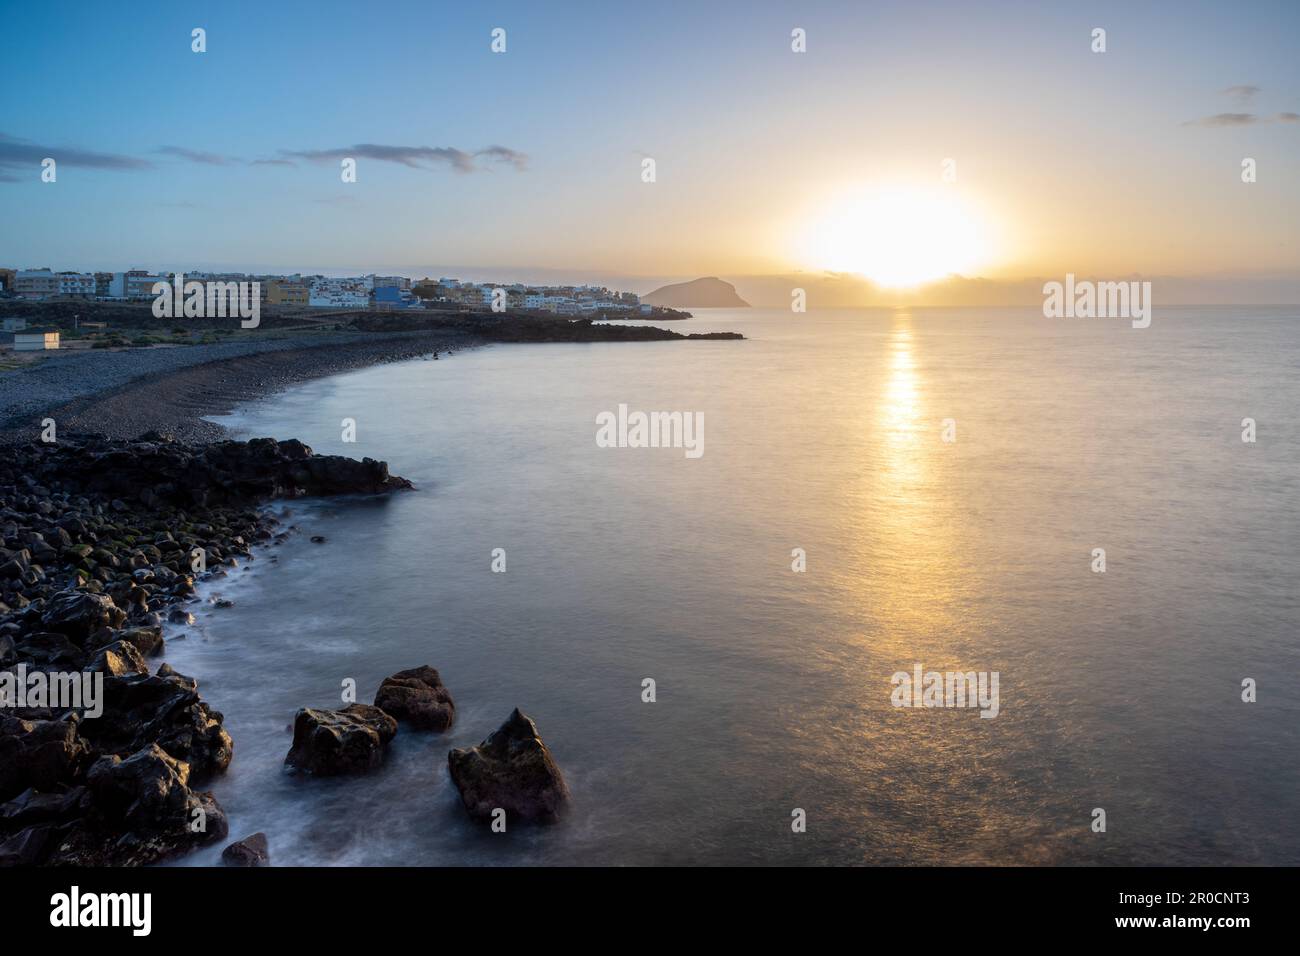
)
(273, 162)
(1242, 119)
(18, 153)
(503, 154)
(1242, 94)
(413, 157)
(1225, 119)
(195, 156)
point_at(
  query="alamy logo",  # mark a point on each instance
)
(1101, 300)
(208, 300)
(626, 429)
(59, 690)
(74, 909)
(946, 689)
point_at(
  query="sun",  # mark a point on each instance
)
(898, 237)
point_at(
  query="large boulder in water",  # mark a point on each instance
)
(418, 697)
(511, 770)
(331, 742)
(250, 851)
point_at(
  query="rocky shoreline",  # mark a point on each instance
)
(102, 540)
(103, 537)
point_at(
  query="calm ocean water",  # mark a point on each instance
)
(1119, 690)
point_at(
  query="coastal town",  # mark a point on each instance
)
(43, 309)
(383, 293)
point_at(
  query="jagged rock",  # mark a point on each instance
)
(26, 847)
(78, 614)
(250, 851)
(512, 770)
(32, 806)
(147, 795)
(118, 659)
(331, 742)
(419, 697)
(165, 708)
(50, 648)
(147, 640)
(39, 753)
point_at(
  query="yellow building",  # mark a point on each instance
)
(283, 292)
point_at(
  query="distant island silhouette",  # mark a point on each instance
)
(707, 293)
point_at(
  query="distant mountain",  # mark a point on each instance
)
(710, 293)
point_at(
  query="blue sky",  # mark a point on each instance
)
(1074, 151)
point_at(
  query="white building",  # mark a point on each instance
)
(340, 293)
(35, 341)
(138, 284)
(76, 283)
(35, 283)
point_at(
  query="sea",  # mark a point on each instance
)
(1105, 517)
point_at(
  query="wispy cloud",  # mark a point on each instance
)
(504, 154)
(1225, 119)
(1241, 119)
(1242, 93)
(414, 157)
(196, 156)
(17, 153)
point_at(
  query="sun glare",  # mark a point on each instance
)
(898, 237)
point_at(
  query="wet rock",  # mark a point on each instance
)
(147, 640)
(78, 614)
(119, 659)
(164, 708)
(513, 770)
(27, 847)
(147, 795)
(40, 754)
(250, 851)
(332, 742)
(418, 697)
(32, 806)
(50, 649)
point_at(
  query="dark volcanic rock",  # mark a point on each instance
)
(164, 708)
(79, 614)
(99, 539)
(332, 742)
(26, 847)
(146, 640)
(146, 798)
(250, 851)
(419, 697)
(119, 659)
(512, 770)
(40, 754)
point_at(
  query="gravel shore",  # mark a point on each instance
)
(125, 393)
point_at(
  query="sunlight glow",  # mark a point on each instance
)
(899, 236)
